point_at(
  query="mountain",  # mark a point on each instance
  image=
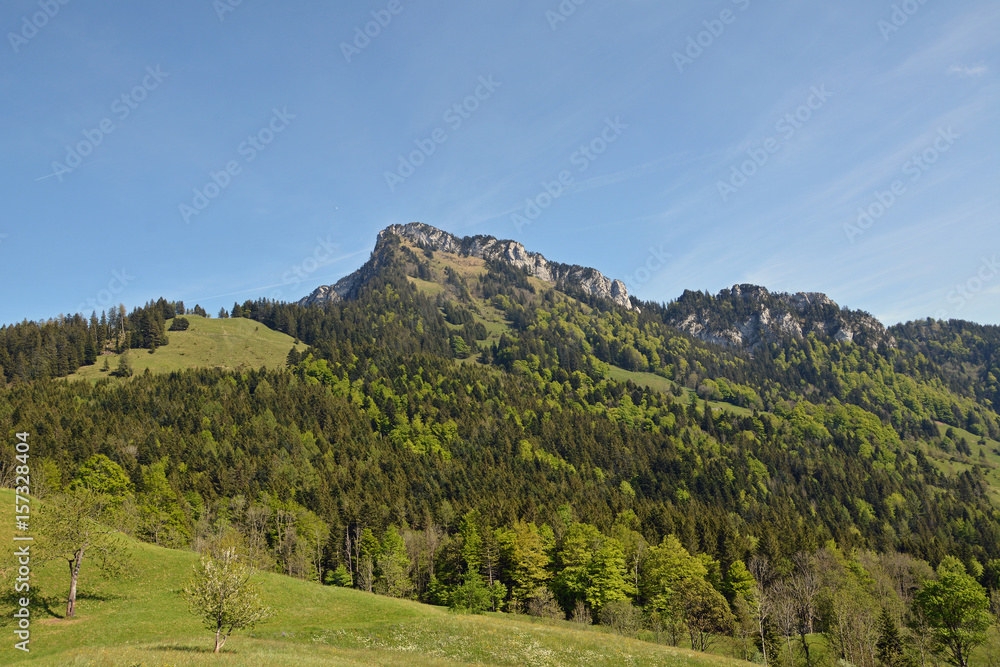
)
(467, 412)
(512, 253)
(750, 316)
(744, 316)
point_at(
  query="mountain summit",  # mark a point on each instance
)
(750, 316)
(743, 316)
(488, 248)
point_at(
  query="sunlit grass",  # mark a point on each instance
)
(143, 620)
(209, 343)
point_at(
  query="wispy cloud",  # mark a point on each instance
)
(626, 174)
(965, 72)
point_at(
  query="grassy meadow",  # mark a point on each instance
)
(143, 620)
(208, 343)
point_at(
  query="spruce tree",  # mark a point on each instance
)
(889, 648)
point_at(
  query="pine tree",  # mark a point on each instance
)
(889, 647)
(124, 365)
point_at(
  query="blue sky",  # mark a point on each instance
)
(215, 152)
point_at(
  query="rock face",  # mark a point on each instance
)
(749, 316)
(589, 280)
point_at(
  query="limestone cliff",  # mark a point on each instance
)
(589, 280)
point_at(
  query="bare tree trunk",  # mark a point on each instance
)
(357, 547)
(347, 550)
(74, 575)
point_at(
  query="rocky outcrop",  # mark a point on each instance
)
(589, 280)
(749, 316)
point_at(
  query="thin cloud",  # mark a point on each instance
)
(625, 174)
(966, 72)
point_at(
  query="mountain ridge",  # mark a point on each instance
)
(750, 316)
(508, 251)
(742, 316)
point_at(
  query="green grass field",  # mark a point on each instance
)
(208, 343)
(143, 620)
(665, 386)
(952, 463)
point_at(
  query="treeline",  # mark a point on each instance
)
(58, 347)
(869, 609)
(371, 444)
(966, 356)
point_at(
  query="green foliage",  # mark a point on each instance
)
(102, 475)
(668, 566)
(473, 596)
(957, 609)
(341, 577)
(393, 565)
(222, 594)
(70, 529)
(592, 569)
(377, 426)
(124, 366)
(889, 648)
(528, 552)
(161, 518)
(739, 583)
(622, 617)
(179, 324)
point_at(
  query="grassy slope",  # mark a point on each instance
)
(665, 386)
(228, 343)
(144, 621)
(953, 463)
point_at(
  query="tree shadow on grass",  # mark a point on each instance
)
(39, 606)
(99, 597)
(46, 606)
(191, 649)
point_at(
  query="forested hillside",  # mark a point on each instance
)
(454, 434)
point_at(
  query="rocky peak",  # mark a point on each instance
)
(750, 316)
(510, 252)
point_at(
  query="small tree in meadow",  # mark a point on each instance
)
(222, 594)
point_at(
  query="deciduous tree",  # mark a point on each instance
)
(957, 610)
(222, 594)
(70, 530)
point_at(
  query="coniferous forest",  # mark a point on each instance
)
(498, 443)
